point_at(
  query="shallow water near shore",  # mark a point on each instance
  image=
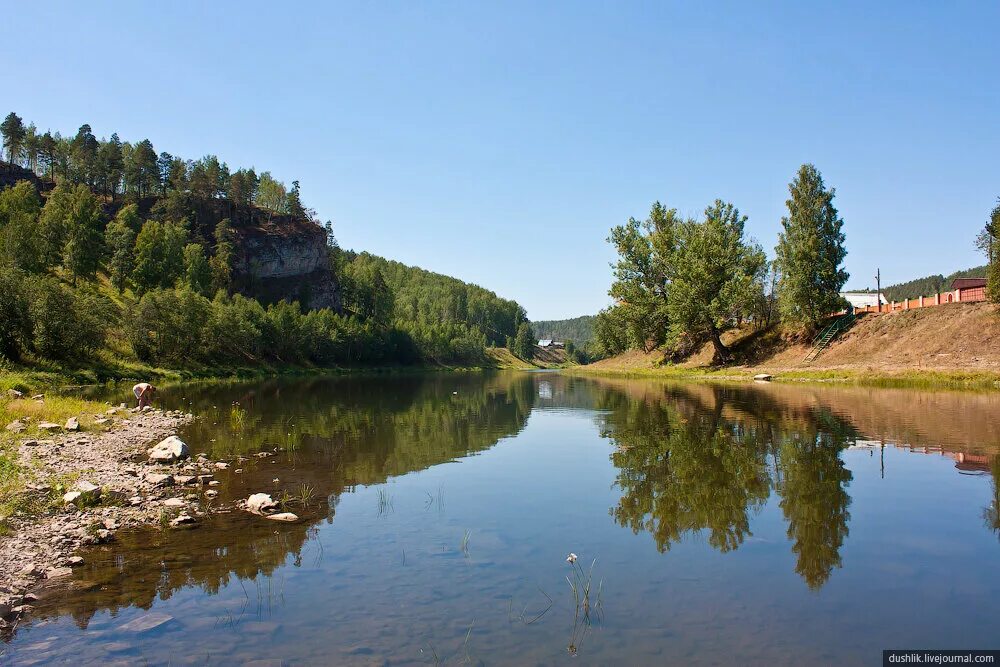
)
(715, 524)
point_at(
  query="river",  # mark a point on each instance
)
(712, 524)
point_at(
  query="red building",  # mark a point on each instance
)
(969, 289)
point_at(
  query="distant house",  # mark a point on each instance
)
(862, 299)
(546, 342)
(970, 289)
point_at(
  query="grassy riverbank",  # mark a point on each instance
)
(45, 375)
(20, 418)
(956, 345)
(957, 378)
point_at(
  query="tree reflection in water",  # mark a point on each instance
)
(991, 513)
(687, 458)
(332, 435)
(708, 459)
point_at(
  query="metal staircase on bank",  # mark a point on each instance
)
(827, 335)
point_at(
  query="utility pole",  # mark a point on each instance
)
(878, 289)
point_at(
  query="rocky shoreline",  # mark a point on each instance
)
(96, 483)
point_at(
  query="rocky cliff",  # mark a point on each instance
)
(286, 259)
(277, 256)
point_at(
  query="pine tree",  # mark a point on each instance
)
(810, 252)
(12, 129)
(110, 165)
(294, 202)
(84, 154)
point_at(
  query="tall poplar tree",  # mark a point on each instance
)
(810, 252)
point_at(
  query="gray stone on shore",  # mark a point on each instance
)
(169, 450)
(31, 570)
(72, 424)
(183, 519)
(173, 502)
(160, 480)
(16, 426)
(48, 426)
(106, 459)
(56, 572)
(283, 516)
(762, 377)
(74, 561)
(83, 493)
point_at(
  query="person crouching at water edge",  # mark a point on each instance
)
(144, 393)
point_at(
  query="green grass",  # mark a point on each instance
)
(960, 379)
(15, 472)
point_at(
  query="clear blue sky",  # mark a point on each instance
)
(499, 142)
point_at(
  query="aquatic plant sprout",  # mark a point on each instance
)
(581, 586)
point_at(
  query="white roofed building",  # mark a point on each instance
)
(862, 299)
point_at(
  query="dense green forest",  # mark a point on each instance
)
(928, 285)
(580, 330)
(440, 312)
(112, 252)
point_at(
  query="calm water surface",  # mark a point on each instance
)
(729, 524)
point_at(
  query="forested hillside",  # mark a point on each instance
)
(113, 254)
(444, 315)
(929, 284)
(580, 330)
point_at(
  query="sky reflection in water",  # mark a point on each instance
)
(730, 524)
